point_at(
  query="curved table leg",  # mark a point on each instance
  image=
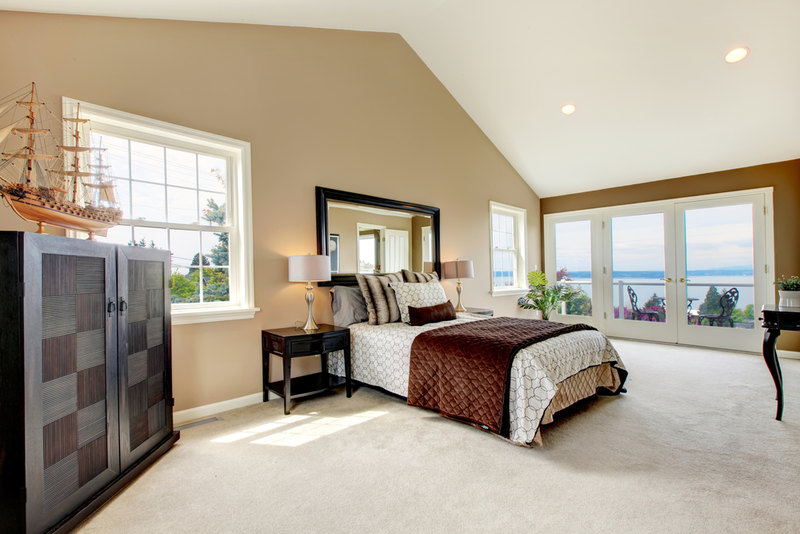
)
(771, 358)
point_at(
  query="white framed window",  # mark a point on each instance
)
(187, 191)
(507, 229)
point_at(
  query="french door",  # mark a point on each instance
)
(692, 271)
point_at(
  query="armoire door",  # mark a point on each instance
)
(144, 350)
(71, 408)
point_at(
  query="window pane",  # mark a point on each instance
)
(215, 248)
(181, 168)
(123, 190)
(637, 266)
(116, 154)
(182, 205)
(213, 209)
(185, 285)
(148, 202)
(719, 259)
(503, 268)
(185, 247)
(574, 263)
(215, 285)
(121, 235)
(150, 237)
(147, 162)
(213, 171)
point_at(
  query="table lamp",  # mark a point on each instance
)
(458, 269)
(309, 268)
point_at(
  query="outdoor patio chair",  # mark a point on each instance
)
(727, 302)
(636, 313)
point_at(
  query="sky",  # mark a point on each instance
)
(716, 237)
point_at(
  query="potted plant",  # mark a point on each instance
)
(543, 297)
(789, 291)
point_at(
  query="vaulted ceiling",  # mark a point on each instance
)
(654, 97)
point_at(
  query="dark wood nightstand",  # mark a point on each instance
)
(291, 343)
(481, 311)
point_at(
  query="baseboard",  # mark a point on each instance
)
(790, 354)
(184, 416)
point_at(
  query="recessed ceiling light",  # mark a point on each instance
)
(568, 109)
(737, 54)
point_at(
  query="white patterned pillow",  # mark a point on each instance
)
(417, 295)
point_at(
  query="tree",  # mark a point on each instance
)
(581, 304)
(562, 274)
(710, 305)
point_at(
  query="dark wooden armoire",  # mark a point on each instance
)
(85, 375)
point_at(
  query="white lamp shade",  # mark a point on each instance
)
(309, 268)
(458, 269)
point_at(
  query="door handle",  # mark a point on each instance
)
(667, 280)
(123, 306)
(111, 308)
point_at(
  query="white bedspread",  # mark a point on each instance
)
(380, 356)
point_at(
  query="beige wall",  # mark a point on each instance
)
(783, 177)
(356, 111)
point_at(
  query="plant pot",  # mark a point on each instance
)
(789, 299)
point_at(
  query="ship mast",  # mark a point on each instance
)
(76, 149)
(28, 152)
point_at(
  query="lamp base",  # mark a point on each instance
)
(459, 307)
(310, 325)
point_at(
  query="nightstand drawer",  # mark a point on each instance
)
(307, 346)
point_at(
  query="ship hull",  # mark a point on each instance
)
(60, 214)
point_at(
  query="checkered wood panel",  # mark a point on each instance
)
(74, 417)
(146, 351)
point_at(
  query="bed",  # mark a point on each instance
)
(543, 379)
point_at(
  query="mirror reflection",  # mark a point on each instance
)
(368, 239)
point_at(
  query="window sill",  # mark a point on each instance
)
(510, 292)
(212, 315)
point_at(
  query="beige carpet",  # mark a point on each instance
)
(692, 447)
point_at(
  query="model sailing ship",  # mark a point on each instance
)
(63, 185)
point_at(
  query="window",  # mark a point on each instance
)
(508, 249)
(186, 191)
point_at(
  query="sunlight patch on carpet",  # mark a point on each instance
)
(250, 432)
(315, 429)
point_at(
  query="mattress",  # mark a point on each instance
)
(380, 356)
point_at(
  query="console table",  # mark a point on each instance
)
(777, 318)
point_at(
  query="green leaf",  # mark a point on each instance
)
(537, 279)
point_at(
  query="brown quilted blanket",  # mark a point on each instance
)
(462, 370)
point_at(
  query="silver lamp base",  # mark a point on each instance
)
(459, 307)
(310, 325)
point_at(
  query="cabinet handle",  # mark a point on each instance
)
(111, 308)
(123, 306)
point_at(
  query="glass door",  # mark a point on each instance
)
(721, 271)
(640, 293)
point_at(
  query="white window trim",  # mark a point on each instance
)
(520, 236)
(242, 305)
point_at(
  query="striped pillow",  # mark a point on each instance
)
(382, 305)
(416, 277)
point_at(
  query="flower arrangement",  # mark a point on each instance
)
(544, 297)
(788, 284)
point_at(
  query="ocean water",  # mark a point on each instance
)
(697, 287)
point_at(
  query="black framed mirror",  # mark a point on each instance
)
(367, 234)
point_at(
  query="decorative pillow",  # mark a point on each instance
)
(348, 306)
(415, 277)
(417, 295)
(381, 303)
(431, 314)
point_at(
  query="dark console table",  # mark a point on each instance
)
(777, 318)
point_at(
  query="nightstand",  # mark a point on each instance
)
(481, 311)
(289, 343)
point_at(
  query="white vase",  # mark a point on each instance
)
(789, 299)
